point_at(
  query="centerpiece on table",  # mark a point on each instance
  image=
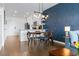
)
(76, 44)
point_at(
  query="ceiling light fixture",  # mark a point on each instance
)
(39, 13)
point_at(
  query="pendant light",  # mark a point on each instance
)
(44, 16)
(38, 13)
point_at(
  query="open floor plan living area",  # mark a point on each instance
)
(39, 29)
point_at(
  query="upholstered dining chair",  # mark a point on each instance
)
(28, 37)
(50, 37)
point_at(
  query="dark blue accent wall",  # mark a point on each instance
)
(61, 15)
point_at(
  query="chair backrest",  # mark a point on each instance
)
(28, 35)
(48, 34)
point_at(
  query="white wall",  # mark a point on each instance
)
(0, 30)
(1, 26)
(19, 23)
(13, 22)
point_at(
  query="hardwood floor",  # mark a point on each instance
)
(13, 47)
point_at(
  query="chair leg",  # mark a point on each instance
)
(33, 42)
(41, 40)
(48, 42)
(28, 42)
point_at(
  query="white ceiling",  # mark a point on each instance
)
(21, 9)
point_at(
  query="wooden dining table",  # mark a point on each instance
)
(37, 32)
(36, 36)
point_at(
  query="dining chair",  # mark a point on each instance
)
(49, 38)
(28, 37)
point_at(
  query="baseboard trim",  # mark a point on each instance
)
(59, 42)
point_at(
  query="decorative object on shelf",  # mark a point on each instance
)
(67, 29)
(76, 44)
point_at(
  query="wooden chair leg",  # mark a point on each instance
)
(29, 42)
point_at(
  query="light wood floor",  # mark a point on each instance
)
(13, 47)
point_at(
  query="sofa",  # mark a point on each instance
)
(69, 41)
